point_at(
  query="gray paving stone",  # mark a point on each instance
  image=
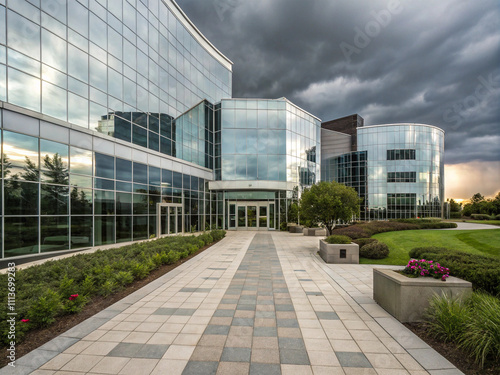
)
(314, 294)
(224, 313)
(246, 306)
(288, 323)
(216, 330)
(248, 322)
(291, 343)
(284, 307)
(153, 351)
(125, 349)
(265, 314)
(327, 315)
(84, 328)
(35, 358)
(353, 359)
(294, 357)
(236, 354)
(184, 312)
(200, 368)
(430, 359)
(231, 301)
(165, 311)
(265, 332)
(59, 344)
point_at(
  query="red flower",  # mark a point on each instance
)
(73, 297)
(25, 320)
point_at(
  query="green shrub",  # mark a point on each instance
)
(497, 217)
(447, 317)
(123, 278)
(441, 225)
(455, 215)
(140, 270)
(481, 336)
(364, 241)
(75, 303)
(336, 239)
(44, 310)
(481, 217)
(88, 286)
(374, 250)
(108, 287)
(482, 271)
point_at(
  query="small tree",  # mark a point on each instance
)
(327, 202)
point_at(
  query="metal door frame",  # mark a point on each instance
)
(158, 218)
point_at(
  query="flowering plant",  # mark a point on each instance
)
(73, 297)
(424, 267)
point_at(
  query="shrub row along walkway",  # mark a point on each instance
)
(255, 303)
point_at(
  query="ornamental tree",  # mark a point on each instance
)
(327, 202)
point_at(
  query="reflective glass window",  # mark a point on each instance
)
(54, 199)
(104, 166)
(81, 231)
(78, 65)
(54, 162)
(78, 18)
(20, 198)
(139, 136)
(24, 90)
(3, 82)
(102, 183)
(78, 111)
(81, 181)
(177, 180)
(154, 176)
(140, 204)
(81, 201)
(80, 161)
(20, 236)
(20, 156)
(23, 35)
(140, 227)
(123, 169)
(104, 230)
(123, 186)
(53, 50)
(54, 102)
(123, 228)
(123, 204)
(98, 31)
(140, 173)
(104, 202)
(166, 178)
(98, 74)
(54, 233)
(153, 141)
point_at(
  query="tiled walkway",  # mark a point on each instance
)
(255, 303)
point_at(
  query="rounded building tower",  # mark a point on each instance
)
(404, 170)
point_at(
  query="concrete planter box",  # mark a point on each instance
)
(314, 232)
(296, 229)
(339, 253)
(406, 298)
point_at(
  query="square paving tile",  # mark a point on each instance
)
(125, 349)
(200, 368)
(265, 355)
(236, 354)
(242, 322)
(291, 343)
(224, 313)
(207, 353)
(265, 331)
(289, 323)
(353, 359)
(294, 357)
(233, 368)
(216, 330)
(265, 369)
(152, 351)
(327, 315)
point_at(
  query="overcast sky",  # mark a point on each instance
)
(431, 62)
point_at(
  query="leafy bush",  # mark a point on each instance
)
(482, 271)
(481, 217)
(374, 250)
(455, 215)
(44, 310)
(441, 225)
(336, 239)
(497, 217)
(364, 230)
(364, 241)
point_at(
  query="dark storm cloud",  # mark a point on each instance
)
(425, 62)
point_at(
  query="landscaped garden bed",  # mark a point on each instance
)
(55, 296)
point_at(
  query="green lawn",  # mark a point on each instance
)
(485, 241)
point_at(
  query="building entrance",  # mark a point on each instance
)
(251, 216)
(169, 219)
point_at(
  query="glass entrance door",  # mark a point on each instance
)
(169, 220)
(249, 215)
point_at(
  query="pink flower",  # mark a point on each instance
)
(73, 297)
(25, 320)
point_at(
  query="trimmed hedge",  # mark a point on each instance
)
(481, 270)
(364, 241)
(336, 239)
(481, 217)
(374, 250)
(47, 291)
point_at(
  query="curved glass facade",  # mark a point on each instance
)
(405, 170)
(127, 70)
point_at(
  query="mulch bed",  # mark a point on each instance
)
(38, 337)
(452, 353)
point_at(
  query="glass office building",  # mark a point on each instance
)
(266, 152)
(117, 124)
(398, 170)
(107, 123)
